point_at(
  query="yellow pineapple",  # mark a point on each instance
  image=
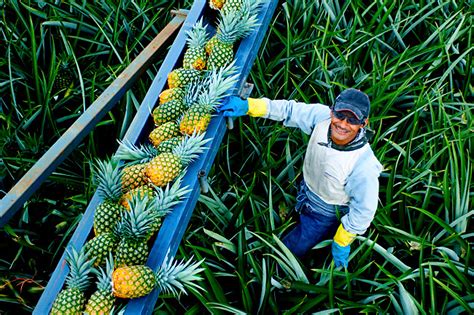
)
(136, 157)
(172, 94)
(216, 4)
(137, 281)
(167, 166)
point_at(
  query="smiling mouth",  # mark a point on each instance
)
(340, 130)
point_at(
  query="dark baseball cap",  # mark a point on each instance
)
(355, 101)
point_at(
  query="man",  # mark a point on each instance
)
(340, 170)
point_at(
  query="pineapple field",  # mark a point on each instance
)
(413, 59)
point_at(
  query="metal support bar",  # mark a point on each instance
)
(40, 171)
(203, 183)
(245, 92)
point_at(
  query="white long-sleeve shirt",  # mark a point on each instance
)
(354, 184)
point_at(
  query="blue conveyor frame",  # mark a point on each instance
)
(175, 224)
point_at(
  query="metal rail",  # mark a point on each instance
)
(73, 136)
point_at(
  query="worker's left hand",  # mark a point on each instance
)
(340, 254)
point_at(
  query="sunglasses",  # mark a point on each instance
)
(350, 119)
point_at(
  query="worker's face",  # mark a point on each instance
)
(343, 132)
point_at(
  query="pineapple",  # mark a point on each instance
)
(102, 300)
(232, 26)
(164, 132)
(164, 202)
(109, 188)
(72, 300)
(240, 5)
(210, 44)
(172, 277)
(195, 56)
(167, 166)
(216, 4)
(198, 115)
(64, 81)
(172, 94)
(169, 145)
(102, 245)
(168, 111)
(141, 191)
(135, 228)
(133, 175)
(181, 77)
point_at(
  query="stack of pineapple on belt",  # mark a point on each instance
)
(142, 183)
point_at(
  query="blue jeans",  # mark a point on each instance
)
(318, 221)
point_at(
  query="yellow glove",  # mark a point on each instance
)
(343, 237)
(257, 107)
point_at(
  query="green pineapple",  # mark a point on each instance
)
(135, 229)
(64, 81)
(165, 200)
(167, 166)
(195, 56)
(170, 144)
(172, 277)
(232, 26)
(169, 111)
(240, 5)
(102, 245)
(198, 115)
(164, 132)
(102, 300)
(72, 300)
(107, 175)
(181, 77)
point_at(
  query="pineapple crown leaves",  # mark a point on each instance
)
(234, 25)
(108, 179)
(80, 267)
(170, 196)
(197, 36)
(137, 222)
(190, 147)
(193, 91)
(133, 154)
(222, 80)
(174, 277)
(104, 277)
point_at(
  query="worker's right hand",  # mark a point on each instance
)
(234, 107)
